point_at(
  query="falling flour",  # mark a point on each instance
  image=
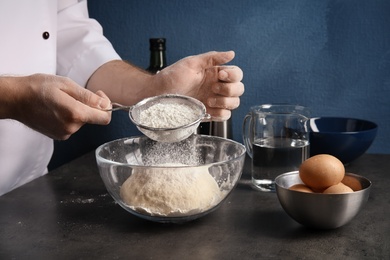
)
(164, 115)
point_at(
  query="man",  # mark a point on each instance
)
(58, 72)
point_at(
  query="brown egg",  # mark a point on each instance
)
(301, 188)
(352, 182)
(337, 189)
(321, 171)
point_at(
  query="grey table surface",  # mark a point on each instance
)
(68, 214)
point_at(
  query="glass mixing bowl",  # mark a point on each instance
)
(222, 159)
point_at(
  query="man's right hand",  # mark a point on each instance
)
(53, 105)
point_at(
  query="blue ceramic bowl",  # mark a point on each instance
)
(344, 138)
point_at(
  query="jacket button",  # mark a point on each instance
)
(45, 35)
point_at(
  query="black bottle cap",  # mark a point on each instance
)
(157, 44)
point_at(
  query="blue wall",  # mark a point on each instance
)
(332, 56)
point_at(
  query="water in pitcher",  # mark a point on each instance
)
(274, 156)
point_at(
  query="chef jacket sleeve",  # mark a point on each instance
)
(81, 46)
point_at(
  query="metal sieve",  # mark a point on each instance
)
(167, 135)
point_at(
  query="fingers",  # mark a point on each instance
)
(220, 106)
(223, 102)
(219, 115)
(230, 73)
(214, 58)
(87, 97)
(101, 117)
(90, 106)
(99, 102)
(228, 89)
(105, 102)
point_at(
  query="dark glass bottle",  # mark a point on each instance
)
(158, 60)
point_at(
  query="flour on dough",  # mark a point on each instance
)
(171, 191)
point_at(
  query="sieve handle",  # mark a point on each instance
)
(206, 117)
(117, 106)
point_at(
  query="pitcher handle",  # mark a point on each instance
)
(247, 134)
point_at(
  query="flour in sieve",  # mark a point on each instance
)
(164, 115)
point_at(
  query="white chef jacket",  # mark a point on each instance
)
(43, 36)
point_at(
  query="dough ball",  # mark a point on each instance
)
(170, 191)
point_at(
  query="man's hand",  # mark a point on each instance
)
(55, 106)
(204, 77)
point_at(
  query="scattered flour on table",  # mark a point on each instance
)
(164, 115)
(171, 191)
